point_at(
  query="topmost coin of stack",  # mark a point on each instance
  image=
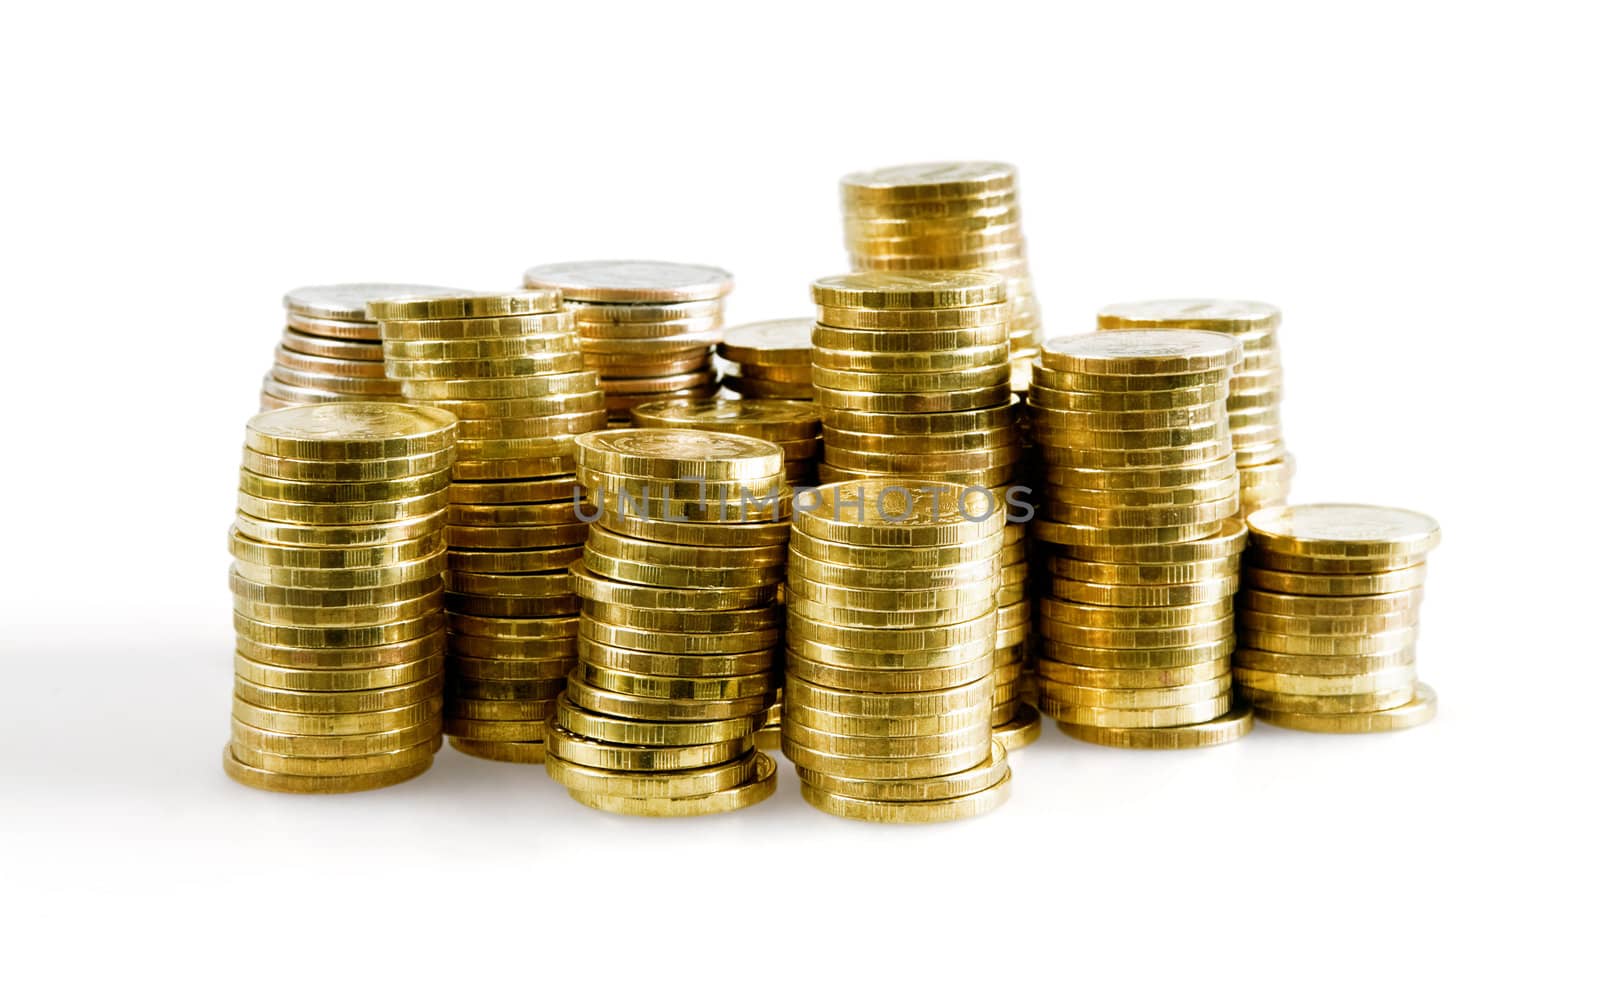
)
(946, 216)
(647, 327)
(331, 351)
(768, 360)
(1254, 391)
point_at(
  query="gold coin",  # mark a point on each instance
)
(510, 670)
(913, 401)
(757, 789)
(1370, 682)
(1133, 405)
(1138, 698)
(625, 731)
(1229, 541)
(869, 768)
(1137, 384)
(513, 562)
(1153, 479)
(1330, 606)
(1131, 679)
(1329, 626)
(355, 332)
(980, 777)
(262, 779)
(677, 643)
(494, 349)
(1022, 730)
(777, 341)
(868, 747)
(910, 341)
(348, 302)
(599, 588)
(1302, 584)
(860, 639)
(547, 585)
(929, 462)
(511, 627)
(357, 616)
(948, 289)
(1342, 530)
(331, 746)
(541, 536)
(516, 515)
(1156, 517)
(676, 454)
(616, 545)
(1311, 644)
(955, 380)
(774, 419)
(798, 692)
(337, 578)
(1348, 703)
(313, 345)
(277, 395)
(508, 711)
(1216, 315)
(900, 513)
(382, 600)
(639, 708)
(351, 431)
(937, 423)
(638, 662)
(678, 687)
(541, 327)
(336, 383)
(673, 576)
(293, 765)
(879, 362)
(801, 608)
(588, 752)
(531, 407)
(527, 386)
(560, 362)
(825, 722)
(630, 281)
(366, 657)
(980, 552)
(472, 688)
(1140, 637)
(1144, 596)
(913, 320)
(1091, 425)
(561, 489)
(941, 211)
(496, 731)
(1136, 658)
(687, 621)
(1142, 717)
(1226, 728)
(866, 679)
(272, 466)
(910, 812)
(741, 534)
(1324, 665)
(1141, 352)
(522, 752)
(250, 551)
(322, 637)
(462, 305)
(1262, 558)
(362, 723)
(388, 490)
(912, 580)
(335, 680)
(1108, 573)
(1422, 708)
(928, 182)
(1113, 456)
(481, 646)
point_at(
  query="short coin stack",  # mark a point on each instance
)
(1255, 390)
(508, 366)
(791, 424)
(338, 584)
(330, 351)
(646, 327)
(1140, 492)
(1015, 723)
(1328, 617)
(768, 360)
(677, 648)
(946, 216)
(911, 375)
(890, 687)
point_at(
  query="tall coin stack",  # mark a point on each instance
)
(647, 327)
(508, 366)
(791, 424)
(947, 216)
(768, 360)
(1255, 392)
(330, 351)
(911, 375)
(338, 584)
(1328, 617)
(1139, 498)
(891, 648)
(677, 647)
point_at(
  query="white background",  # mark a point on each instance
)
(1415, 186)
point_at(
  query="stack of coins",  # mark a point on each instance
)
(1328, 617)
(1255, 392)
(508, 366)
(891, 646)
(646, 327)
(330, 351)
(338, 584)
(677, 647)
(791, 424)
(911, 375)
(1015, 723)
(1139, 498)
(768, 360)
(947, 216)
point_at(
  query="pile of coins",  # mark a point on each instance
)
(1328, 617)
(508, 366)
(338, 581)
(891, 646)
(1140, 494)
(1255, 391)
(912, 377)
(646, 327)
(677, 645)
(947, 216)
(330, 351)
(1016, 723)
(767, 360)
(791, 424)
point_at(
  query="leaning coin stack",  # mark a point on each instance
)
(947, 216)
(891, 646)
(508, 366)
(1015, 723)
(911, 375)
(767, 360)
(647, 327)
(1254, 393)
(1140, 492)
(338, 579)
(330, 351)
(791, 424)
(677, 645)
(1328, 617)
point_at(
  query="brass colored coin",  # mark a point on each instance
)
(1141, 717)
(866, 679)
(1331, 626)
(528, 753)
(1339, 530)
(338, 636)
(801, 605)
(1324, 665)
(912, 401)
(1109, 573)
(359, 332)
(547, 585)
(462, 305)
(253, 552)
(958, 723)
(1226, 728)
(367, 657)
(753, 791)
(928, 181)
(911, 320)
(1370, 682)
(1140, 698)
(1004, 437)
(956, 380)
(338, 535)
(1220, 472)
(588, 752)
(563, 489)
(480, 367)
(903, 342)
(351, 431)
(910, 812)
(513, 627)
(753, 663)
(778, 341)
(1144, 596)
(687, 621)
(334, 680)
(921, 639)
(1307, 644)
(774, 419)
(624, 731)
(472, 389)
(542, 325)
(1138, 384)
(948, 289)
(627, 313)
(798, 692)
(881, 361)
(866, 747)
(741, 534)
(982, 551)
(500, 515)
(1150, 517)
(1337, 607)
(533, 406)
(641, 573)
(262, 779)
(348, 367)
(634, 497)
(658, 382)
(312, 345)
(396, 573)
(481, 646)
(1141, 352)
(496, 469)
(336, 384)
(677, 454)
(599, 588)
(934, 211)
(903, 424)
(1421, 709)
(388, 490)
(489, 348)
(501, 710)
(630, 281)
(581, 694)
(1140, 658)
(617, 545)
(1216, 315)
(1348, 703)
(1021, 730)
(510, 670)
(272, 466)
(1227, 542)
(866, 768)
(496, 731)
(900, 513)
(693, 688)
(332, 746)
(275, 394)
(1124, 404)
(348, 302)
(1301, 584)
(383, 602)
(293, 765)
(980, 777)
(757, 389)
(677, 643)
(473, 688)
(1131, 679)
(540, 536)
(1115, 427)
(1140, 637)
(514, 562)
(363, 723)
(1262, 558)
(829, 574)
